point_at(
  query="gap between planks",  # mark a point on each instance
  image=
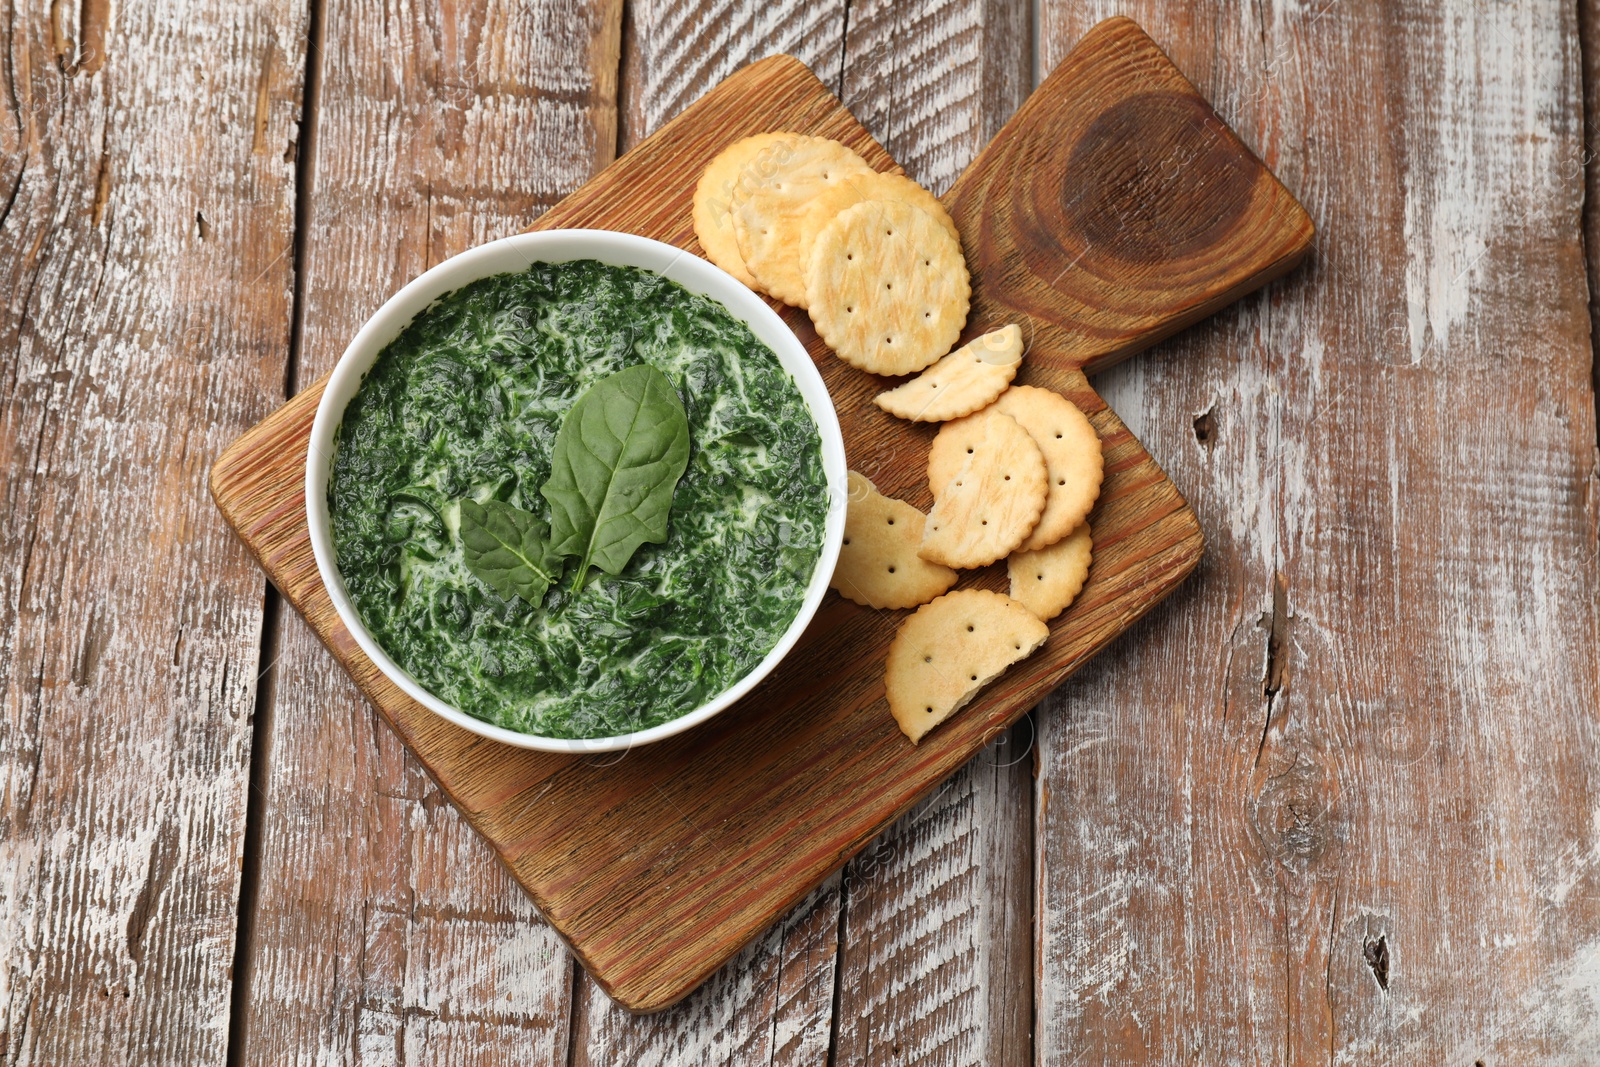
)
(1589, 74)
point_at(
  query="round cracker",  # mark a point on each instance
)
(1072, 454)
(873, 185)
(766, 213)
(878, 562)
(1048, 580)
(949, 650)
(965, 381)
(994, 493)
(888, 287)
(742, 163)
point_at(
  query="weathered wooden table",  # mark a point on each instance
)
(1339, 799)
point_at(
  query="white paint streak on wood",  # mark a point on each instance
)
(935, 82)
(1405, 432)
(772, 1004)
(386, 931)
(679, 49)
(131, 351)
(936, 966)
(1452, 212)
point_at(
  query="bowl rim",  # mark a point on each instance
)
(518, 252)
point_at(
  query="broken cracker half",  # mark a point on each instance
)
(949, 650)
(964, 381)
(1048, 580)
(878, 562)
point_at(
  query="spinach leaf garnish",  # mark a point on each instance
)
(617, 459)
(508, 548)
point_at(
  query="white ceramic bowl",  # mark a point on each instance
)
(515, 254)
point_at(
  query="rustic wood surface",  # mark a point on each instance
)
(1432, 666)
(757, 808)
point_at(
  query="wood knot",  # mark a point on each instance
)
(1294, 812)
(1165, 179)
(1375, 950)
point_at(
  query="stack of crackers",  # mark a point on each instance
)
(876, 261)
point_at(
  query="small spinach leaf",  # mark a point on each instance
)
(617, 460)
(508, 548)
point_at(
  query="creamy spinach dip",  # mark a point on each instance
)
(466, 404)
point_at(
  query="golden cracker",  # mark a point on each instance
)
(742, 163)
(873, 185)
(767, 213)
(949, 650)
(1072, 454)
(887, 286)
(1048, 580)
(965, 381)
(993, 495)
(878, 563)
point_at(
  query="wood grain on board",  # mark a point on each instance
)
(146, 207)
(1116, 208)
(384, 928)
(1337, 803)
(764, 802)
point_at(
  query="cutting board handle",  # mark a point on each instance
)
(1116, 208)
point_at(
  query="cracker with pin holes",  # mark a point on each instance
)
(873, 185)
(1072, 454)
(887, 287)
(743, 163)
(988, 480)
(878, 562)
(949, 650)
(1048, 580)
(965, 381)
(767, 212)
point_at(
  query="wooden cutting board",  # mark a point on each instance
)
(1114, 209)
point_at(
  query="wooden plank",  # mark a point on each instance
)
(386, 930)
(1337, 801)
(1589, 47)
(675, 51)
(936, 960)
(936, 82)
(773, 1002)
(657, 871)
(146, 196)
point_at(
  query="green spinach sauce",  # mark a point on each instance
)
(466, 402)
